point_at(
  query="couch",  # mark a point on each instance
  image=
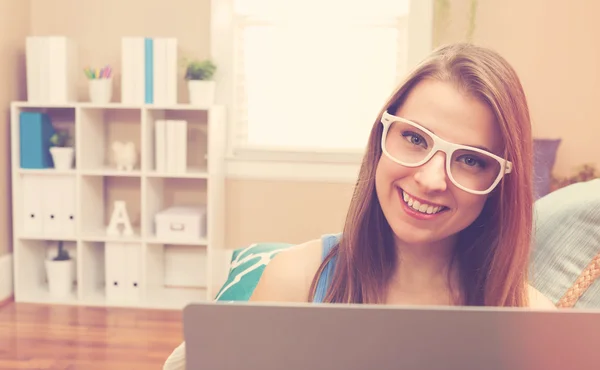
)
(565, 260)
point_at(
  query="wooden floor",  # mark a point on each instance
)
(68, 337)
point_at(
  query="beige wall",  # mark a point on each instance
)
(97, 28)
(555, 47)
(283, 211)
(14, 25)
(551, 43)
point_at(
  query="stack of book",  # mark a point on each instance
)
(52, 68)
(149, 70)
(170, 138)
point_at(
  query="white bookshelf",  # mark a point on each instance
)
(96, 184)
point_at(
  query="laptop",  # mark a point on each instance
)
(259, 336)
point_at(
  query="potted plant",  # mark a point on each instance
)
(201, 86)
(60, 271)
(62, 153)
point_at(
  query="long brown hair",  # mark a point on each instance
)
(493, 252)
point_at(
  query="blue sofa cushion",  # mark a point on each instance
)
(247, 266)
(566, 241)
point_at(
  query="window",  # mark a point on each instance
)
(311, 75)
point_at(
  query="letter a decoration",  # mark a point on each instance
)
(119, 217)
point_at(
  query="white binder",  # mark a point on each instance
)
(52, 205)
(32, 204)
(123, 272)
(114, 270)
(68, 211)
(132, 258)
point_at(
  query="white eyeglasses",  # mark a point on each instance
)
(473, 170)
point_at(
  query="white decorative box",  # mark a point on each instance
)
(181, 223)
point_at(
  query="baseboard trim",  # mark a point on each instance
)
(6, 277)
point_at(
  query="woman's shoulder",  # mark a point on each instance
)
(288, 276)
(539, 301)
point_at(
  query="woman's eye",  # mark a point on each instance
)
(413, 138)
(472, 161)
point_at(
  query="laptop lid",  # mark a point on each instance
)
(257, 336)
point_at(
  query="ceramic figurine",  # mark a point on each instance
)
(125, 155)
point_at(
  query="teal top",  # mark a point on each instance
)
(329, 241)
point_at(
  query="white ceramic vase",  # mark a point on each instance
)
(62, 157)
(100, 90)
(202, 92)
(61, 275)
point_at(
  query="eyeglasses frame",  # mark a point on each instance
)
(448, 148)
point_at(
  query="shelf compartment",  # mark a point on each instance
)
(163, 142)
(176, 275)
(100, 129)
(93, 279)
(113, 273)
(47, 208)
(60, 119)
(162, 193)
(31, 281)
(98, 196)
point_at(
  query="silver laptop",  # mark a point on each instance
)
(256, 336)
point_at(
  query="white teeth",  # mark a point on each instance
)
(417, 206)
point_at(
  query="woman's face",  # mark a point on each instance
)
(453, 116)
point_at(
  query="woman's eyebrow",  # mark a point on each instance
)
(433, 132)
(480, 147)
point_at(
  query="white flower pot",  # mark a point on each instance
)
(62, 157)
(100, 90)
(61, 275)
(202, 93)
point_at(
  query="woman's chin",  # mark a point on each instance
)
(409, 235)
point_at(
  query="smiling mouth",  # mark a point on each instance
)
(421, 206)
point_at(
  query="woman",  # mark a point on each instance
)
(442, 210)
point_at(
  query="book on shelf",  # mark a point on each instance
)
(171, 146)
(149, 70)
(51, 65)
(35, 131)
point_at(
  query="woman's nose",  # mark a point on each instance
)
(432, 176)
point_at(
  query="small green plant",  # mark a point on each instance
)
(60, 139)
(63, 254)
(200, 70)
